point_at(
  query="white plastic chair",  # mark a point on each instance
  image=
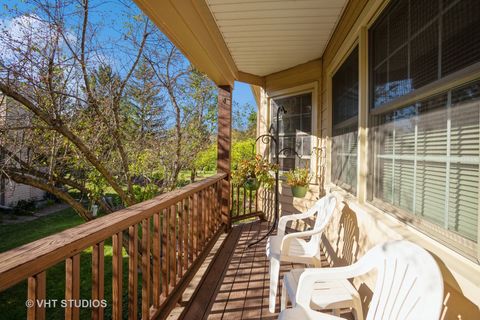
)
(409, 284)
(293, 247)
(337, 295)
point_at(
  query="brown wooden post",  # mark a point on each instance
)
(36, 296)
(117, 276)
(224, 149)
(133, 272)
(98, 273)
(72, 287)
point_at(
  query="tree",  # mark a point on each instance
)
(95, 96)
(243, 142)
(193, 100)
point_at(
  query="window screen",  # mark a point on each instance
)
(426, 159)
(295, 128)
(415, 43)
(345, 112)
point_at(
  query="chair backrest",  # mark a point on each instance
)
(325, 208)
(409, 283)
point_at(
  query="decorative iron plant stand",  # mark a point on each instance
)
(273, 136)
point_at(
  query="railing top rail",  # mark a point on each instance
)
(32, 258)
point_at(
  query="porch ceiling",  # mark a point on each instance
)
(246, 40)
(267, 36)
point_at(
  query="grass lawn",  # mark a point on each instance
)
(12, 301)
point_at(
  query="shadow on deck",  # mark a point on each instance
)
(235, 286)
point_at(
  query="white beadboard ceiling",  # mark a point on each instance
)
(267, 36)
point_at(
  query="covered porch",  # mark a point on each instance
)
(184, 254)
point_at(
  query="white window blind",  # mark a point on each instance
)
(426, 159)
(415, 43)
(345, 123)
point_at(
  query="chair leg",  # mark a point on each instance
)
(357, 308)
(317, 261)
(274, 275)
(283, 297)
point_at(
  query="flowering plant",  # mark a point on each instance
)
(257, 169)
(298, 177)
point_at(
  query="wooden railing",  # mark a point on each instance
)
(243, 203)
(168, 236)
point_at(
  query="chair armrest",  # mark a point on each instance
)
(285, 246)
(311, 275)
(282, 222)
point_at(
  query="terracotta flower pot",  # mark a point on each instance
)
(299, 191)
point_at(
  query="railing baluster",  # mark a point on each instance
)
(180, 239)
(215, 207)
(219, 203)
(196, 220)
(232, 193)
(244, 200)
(132, 271)
(173, 247)
(146, 269)
(216, 199)
(191, 221)
(72, 287)
(200, 220)
(185, 214)
(205, 216)
(210, 212)
(36, 294)
(212, 209)
(156, 261)
(238, 201)
(98, 268)
(165, 252)
(250, 201)
(117, 274)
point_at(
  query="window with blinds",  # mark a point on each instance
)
(345, 123)
(426, 159)
(425, 154)
(415, 43)
(295, 128)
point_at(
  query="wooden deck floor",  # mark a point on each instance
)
(236, 284)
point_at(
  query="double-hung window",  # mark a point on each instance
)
(345, 123)
(295, 129)
(425, 117)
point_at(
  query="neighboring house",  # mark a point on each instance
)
(10, 191)
(13, 192)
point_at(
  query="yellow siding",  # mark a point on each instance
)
(357, 227)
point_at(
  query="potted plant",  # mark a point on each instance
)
(253, 173)
(298, 180)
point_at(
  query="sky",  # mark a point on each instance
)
(243, 94)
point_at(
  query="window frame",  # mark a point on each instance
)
(311, 88)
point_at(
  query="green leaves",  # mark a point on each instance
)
(298, 177)
(257, 168)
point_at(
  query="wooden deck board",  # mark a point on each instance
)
(236, 283)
